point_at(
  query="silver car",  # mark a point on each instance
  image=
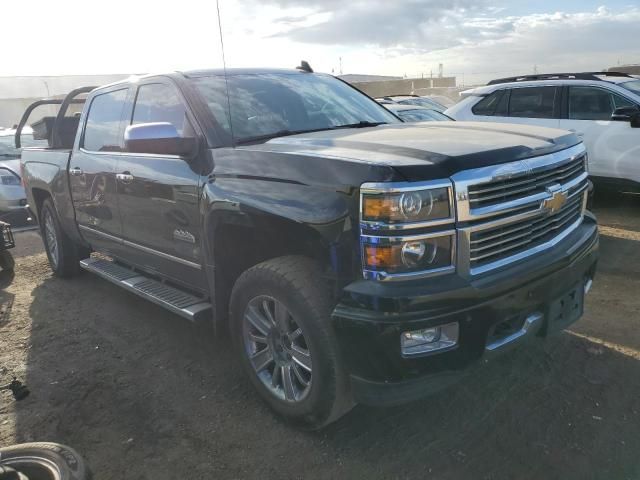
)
(12, 195)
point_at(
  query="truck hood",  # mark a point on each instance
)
(419, 151)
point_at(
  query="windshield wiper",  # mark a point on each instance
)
(285, 133)
(360, 124)
(279, 133)
(267, 136)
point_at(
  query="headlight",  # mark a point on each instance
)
(410, 254)
(406, 207)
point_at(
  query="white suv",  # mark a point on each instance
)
(603, 108)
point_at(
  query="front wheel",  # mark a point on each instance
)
(280, 314)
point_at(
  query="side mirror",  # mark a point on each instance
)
(624, 114)
(635, 120)
(160, 138)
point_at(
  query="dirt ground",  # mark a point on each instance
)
(143, 394)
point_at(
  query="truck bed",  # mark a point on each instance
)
(45, 172)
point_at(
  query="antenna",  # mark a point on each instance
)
(224, 67)
(304, 66)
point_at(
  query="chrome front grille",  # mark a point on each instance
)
(512, 211)
(497, 243)
(525, 184)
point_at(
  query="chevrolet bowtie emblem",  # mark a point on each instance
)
(555, 203)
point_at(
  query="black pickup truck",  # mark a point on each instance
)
(354, 258)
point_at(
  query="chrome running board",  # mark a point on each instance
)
(181, 303)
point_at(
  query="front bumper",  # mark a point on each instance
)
(372, 315)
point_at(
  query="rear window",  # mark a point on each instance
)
(488, 105)
(532, 102)
(103, 132)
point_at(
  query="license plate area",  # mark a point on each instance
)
(566, 309)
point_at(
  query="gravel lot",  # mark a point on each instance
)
(145, 395)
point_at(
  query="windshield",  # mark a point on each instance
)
(275, 104)
(421, 115)
(8, 148)
(633, 86)
(421, 101)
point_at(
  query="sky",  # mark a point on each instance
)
(475, 40)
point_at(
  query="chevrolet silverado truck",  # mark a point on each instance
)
(354, 258)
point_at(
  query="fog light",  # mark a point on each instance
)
(428, 340)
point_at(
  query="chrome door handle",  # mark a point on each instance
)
(125, 177)
(76, 172)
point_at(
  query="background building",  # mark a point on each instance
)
(632, 68)
(418, 86)
(16, 93)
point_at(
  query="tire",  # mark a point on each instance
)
(63, 254)
(45, 461)
(7, 263)
(296, 283)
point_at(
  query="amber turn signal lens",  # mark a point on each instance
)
(378, 207)
(387, 256)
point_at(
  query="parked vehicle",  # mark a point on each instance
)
(442, 100)
(417, 100)
(12, 196)
(413, 113)
(603, 108)
(7, 242)
(355, 258)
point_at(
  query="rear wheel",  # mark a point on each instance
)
(63, 254)
(280, 314)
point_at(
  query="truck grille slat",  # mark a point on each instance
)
(541, 228)
(499, 191)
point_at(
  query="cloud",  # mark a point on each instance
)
(386, 23)
(552, 42)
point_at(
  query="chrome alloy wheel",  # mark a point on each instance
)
(276, 348)
(51, 239)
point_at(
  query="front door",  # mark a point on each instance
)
(613, 146)
(92, 171)
(158, 195)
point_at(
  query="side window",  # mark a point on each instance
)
(157, 102)
(620, 101)
(532, 102)
(590, 103)
(487, 106)
(103, 132)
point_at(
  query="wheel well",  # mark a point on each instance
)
(239, 247)
(39, 196)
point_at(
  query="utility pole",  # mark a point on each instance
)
(535, 69)
(340, 65)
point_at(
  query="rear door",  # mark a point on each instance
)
(613, 146)
(158, 194)
(92, 170)
(530, 106)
